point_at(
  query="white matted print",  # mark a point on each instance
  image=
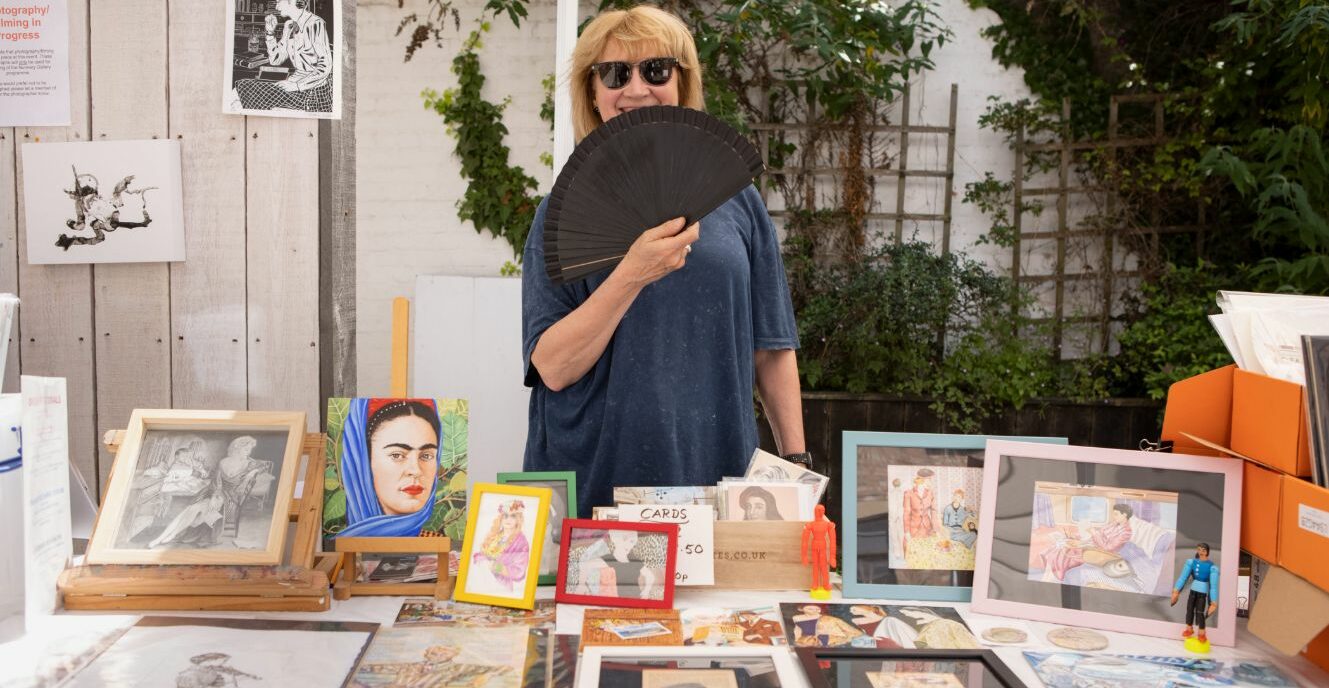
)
(283, 58)
(933, 516)
(103, 202)
(191, 652)
(505, 529)
(749, 500)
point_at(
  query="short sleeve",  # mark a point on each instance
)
(543, 303)
(773, 324)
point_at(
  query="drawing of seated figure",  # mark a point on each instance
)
(959, 521)
(219, 505)
(210, 671)
(1067, 554)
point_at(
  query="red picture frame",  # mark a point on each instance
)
(669, 530)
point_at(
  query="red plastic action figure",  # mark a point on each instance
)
(819, 543)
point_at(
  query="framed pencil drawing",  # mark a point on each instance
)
(1108, 538)
(200, 487)
(504, 538)
(562, 504)
(910, 513)
(617, 563)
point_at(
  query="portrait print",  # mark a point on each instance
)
(1103, 537)
(767, 501)
(506, 527)
(283, 59)
(618, 564)
(396, 468)
(933, 516)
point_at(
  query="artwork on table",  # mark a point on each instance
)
(427, 611)
(283, 58)
(1098, 537)
(505, 534)
(103, 202)
(396, 468)
(650, 627)
(767, 466)
(823, 624)
(1001, 632)
(551, 659)
(727, 627)
(861, 668)
(397, 568)
(1315, 358)
(562, 504)
(617, 563)
(910, 513)
(1074, 669)
(200, 487)
(1103, 537)
(606, 667)
(444, 656)
(704, 494)
(752, 500)
(203, 652)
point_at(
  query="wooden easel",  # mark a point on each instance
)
(299, 585)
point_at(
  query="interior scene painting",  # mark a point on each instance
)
(203, 489)
(933, 516)
(1102, 537)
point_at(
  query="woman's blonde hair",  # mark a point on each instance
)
(642, 30)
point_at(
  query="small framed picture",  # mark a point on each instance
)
(709, 667)
(562, 504)
(617, 563)
(846, 668)
(505, 533)
(910, 513)
(765, 500)
(1129, 541)
(200, 487)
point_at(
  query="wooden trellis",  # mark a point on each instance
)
(901, 170)
(1107, 233)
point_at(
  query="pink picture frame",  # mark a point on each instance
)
(1209, 489)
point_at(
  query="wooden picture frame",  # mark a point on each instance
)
(598, 541)
(1058, 521)
(983, 663)
(568, 479)
(786, 667)
(351, 548)
(930, 450)
(495, 562)
(200, 484)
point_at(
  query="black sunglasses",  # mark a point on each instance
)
(655, 71)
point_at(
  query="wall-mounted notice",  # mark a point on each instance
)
(34, 63)
(696, 536)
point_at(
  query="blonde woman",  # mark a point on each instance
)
(505, 550)
(643, 375)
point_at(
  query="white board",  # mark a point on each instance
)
(467, 343)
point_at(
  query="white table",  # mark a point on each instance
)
(20, 658)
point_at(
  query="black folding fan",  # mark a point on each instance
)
(634, 172)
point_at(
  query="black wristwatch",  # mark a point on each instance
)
(803, 459)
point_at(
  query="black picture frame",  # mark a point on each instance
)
(811, 658)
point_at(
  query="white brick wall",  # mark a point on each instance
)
(408, 181)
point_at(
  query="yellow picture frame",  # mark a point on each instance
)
(166, 501)
(490, 515)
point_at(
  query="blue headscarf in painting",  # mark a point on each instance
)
(364, 514)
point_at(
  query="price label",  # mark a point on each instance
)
(696, 537)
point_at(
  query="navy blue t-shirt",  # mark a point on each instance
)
(670, 401)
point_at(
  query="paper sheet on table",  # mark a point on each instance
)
(47, 540)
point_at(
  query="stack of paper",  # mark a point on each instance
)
(1263, 331)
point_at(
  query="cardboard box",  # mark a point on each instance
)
(1303, 533)
(1318, 650)
(1261, 499)
(1258, 417)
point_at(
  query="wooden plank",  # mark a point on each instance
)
(9, 250)
(950, 172)
(57, 299)
(132, 303)
(401, 345)
(1017, 215)
(281, 191)
(1105, 324)
(337, 237)
(902, 163)
(208, 603)
(1063, 181)
(207, 305)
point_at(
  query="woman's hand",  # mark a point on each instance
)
(658, 252)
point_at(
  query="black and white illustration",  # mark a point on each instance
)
(203, 489)
(282, 58)
(103, 202)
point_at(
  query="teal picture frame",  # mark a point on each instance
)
(554, 528)
(853, 441)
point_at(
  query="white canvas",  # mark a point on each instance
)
(283, 60)
(186, 656)
(103, 202)
(485, 575)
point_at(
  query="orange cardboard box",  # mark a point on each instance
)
(1256, 416)
(1318, 650)
(1261, 497)
(1303, 532)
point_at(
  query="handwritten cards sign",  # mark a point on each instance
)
(696, 536)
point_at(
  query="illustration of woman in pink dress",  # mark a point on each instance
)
(919, 505)
(505, 549)
(1065, 555)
